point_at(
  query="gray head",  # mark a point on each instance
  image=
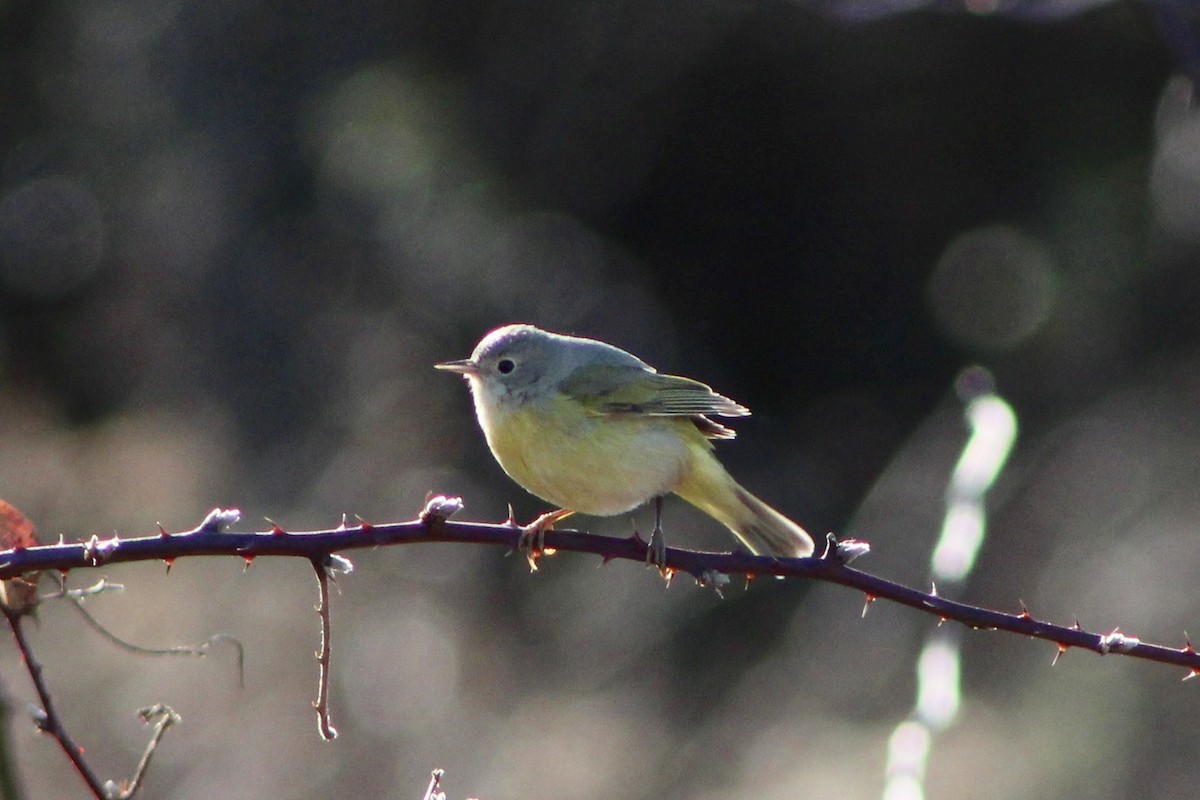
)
(517, 363)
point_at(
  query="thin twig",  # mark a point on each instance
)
(166, 717)
(326, 729)
(77, 596)
(196, 650)
(48, 720)
(435, 783)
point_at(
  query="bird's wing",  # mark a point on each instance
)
(610, 389)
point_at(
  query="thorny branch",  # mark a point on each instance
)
(433, 525)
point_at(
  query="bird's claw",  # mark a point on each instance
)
(532, 542)
(532, 539)
(656, 550)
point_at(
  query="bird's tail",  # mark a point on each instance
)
(762, 529)
(765, 530)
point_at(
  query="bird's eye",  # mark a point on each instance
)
(505, 365)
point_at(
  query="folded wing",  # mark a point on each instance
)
(618, 389)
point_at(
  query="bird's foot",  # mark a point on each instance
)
(656, 550)
(532, 540)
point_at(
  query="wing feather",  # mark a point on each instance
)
(619, 389)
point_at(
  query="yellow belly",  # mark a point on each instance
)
(593, 464)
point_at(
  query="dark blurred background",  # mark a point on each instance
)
(235, 236)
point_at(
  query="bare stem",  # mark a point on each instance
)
(195, 650)
(166, 717)
(435, 783)
(49, 721)
(324, 726)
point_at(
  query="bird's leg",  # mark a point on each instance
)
(532, 540)
(656, 551)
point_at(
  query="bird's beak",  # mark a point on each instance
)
(464, 367)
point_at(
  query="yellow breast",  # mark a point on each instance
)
(591, 463)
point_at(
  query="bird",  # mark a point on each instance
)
(593, 429)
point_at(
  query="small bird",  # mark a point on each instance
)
(593, 429)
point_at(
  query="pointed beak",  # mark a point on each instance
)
(464, 367)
